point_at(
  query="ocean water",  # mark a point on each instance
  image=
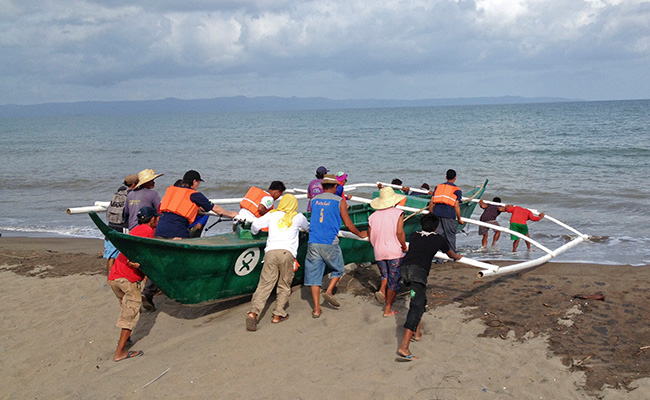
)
(584, 163)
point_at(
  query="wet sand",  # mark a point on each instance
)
(537, 334)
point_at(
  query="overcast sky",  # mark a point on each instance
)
(75, 50)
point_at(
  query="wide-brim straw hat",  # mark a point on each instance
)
(387, 198)
(330, 179)
(146, 175)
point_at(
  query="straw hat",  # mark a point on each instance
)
(330, 179)
(387, 198)
(145, 176)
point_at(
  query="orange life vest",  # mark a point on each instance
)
(177, 200)
(444, 194)
(252, 200)
(402, 202)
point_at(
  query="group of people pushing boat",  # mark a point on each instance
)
(173, 215)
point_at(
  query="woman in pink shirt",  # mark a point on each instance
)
(386, 233)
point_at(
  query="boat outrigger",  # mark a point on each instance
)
(228, 265)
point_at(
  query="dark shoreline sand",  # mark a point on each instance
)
(604, 343)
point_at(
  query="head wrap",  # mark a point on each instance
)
(289, 205)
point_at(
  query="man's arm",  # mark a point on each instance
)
(453, 255)
(265, 205)
(401, 236)
(457, 209)
(343, 207)
(459, 198)
(156, 202)
(222, 211)
(304, 223)
(259, 224)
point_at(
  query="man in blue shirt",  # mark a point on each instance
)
(327, 212)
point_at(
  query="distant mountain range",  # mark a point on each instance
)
(242, 103)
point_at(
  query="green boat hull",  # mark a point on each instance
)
(224, 266)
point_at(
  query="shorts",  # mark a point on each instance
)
(521, 228)
(128, 293)
(482, 230)
(109, 250)
(390, 270)
(321, 255)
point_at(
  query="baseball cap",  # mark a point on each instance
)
(192, 175)
(322, 170)
(131, 180)
(146, 213)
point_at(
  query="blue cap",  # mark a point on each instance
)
(146, 213)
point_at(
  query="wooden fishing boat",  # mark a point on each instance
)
(228, 265)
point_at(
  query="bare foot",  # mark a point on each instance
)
(392, 313)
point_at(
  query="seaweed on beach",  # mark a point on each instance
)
(595, 321)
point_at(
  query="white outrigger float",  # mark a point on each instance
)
(486, 269)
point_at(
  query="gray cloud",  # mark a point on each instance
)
(107, 50)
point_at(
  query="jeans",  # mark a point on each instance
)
(321, 255)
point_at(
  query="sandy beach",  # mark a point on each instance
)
(541, 334)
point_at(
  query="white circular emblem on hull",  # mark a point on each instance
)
(247, 261)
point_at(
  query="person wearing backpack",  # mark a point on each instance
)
(116, 218)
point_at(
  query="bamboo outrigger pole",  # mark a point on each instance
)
(487, 269)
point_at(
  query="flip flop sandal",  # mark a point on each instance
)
(251, 323)
(281, 319)
(402, 358)
(379, 296)
(330, 299)
(132, 354)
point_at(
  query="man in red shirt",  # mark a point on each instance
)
(125, 278)
(518, 221)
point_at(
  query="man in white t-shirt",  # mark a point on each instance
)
(284, 225)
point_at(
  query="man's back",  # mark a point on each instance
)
(521, 215)
(136, 199)
(423, 247)
(325, 218)
(443, 198)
